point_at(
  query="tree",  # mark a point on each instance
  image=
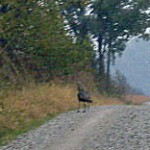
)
(35, 40)
(120, 84)
(113, 23)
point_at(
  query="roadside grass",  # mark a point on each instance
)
(137, 99)
(34, 104)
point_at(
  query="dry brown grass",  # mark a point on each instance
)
(36, 102)
(137, 99)
(105, 100)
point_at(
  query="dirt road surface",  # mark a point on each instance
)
(100, 128)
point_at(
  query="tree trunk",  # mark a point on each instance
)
(101, 66)
(108, 71)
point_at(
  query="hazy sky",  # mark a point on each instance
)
(135, 64)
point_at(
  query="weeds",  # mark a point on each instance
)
(33, 104)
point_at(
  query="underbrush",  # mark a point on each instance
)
(33, 104)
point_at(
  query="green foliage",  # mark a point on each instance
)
(74, 13)
(45, 39)
(34, 41)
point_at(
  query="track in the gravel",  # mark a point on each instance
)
(80, 134)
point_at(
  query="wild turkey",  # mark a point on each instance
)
(83, 96)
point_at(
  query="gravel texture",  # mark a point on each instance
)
(100, 128)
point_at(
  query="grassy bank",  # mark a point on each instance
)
(32, 105)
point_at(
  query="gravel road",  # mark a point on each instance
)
(100, 128)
